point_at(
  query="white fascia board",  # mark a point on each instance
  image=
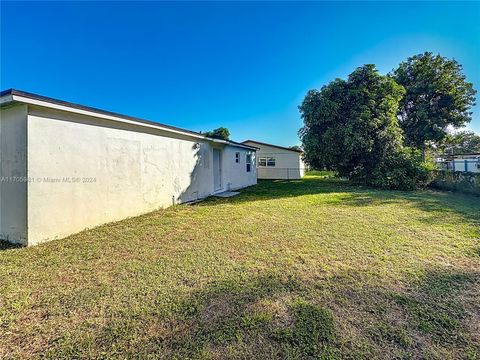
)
(26, 100)
(100, 115)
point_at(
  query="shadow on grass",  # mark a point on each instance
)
(267, 310)
(289, 320)
(283, 317)
(5, 245)
(276, 316)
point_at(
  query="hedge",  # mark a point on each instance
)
(465, 182)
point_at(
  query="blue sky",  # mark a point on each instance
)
(245, 66)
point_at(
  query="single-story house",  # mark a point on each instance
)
(66, 167)
(277, 162)
(461, 162)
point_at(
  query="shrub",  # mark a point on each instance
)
(403, 170)
(465, 182)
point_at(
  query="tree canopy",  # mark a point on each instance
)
(351, 126)
(437, 96)
(219, 133)
(375, 128)
(462, 142)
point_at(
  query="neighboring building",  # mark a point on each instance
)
(462, 163)
(277, 162)
(67, 167)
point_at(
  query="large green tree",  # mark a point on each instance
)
(351, 126)
(437, 96)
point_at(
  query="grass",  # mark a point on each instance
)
(313, 268)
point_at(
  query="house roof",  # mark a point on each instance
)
(468, 154)
(276, 146)
(12, 95)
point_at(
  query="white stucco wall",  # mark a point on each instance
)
(13, 174)
(88, 171)
(235, 174)
(288, 164)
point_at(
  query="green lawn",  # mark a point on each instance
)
(312, 268)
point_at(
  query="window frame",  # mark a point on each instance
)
(248, 162)
(262, 160)
(265, 160)
(237, 157)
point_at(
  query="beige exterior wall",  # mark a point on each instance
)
(85, 171)
(13, 174)
(288, 164)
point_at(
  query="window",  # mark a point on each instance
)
(249, 162)
(266, 162)
(237, 157)
(271, 162)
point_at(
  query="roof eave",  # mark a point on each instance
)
(231, 143)
(12, 95)
(6, 99)
(273, 145)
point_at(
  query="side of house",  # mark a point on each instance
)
(73, 167)
(467, 163)
(13, 173)
(277, 162)
(461, 163)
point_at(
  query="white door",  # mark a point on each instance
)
(217, 169)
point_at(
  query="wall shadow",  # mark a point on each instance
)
(193, 190)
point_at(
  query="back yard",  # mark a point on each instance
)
(310, 268)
